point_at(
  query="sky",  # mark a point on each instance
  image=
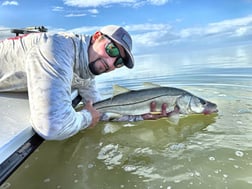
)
(155, 25)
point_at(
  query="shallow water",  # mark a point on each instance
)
(213, 151)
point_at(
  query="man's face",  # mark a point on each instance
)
(100, 56)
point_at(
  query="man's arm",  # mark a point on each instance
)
(49, 74)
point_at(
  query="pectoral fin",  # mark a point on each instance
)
(174, 118)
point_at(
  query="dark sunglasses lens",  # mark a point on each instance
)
(112, 50)
(118, 63)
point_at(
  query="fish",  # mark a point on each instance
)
(137, 102)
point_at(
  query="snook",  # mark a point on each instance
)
(137, 102)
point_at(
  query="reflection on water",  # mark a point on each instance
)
(213, 151)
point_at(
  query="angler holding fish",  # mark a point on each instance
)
(50, 66)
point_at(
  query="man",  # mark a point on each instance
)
(50, 66)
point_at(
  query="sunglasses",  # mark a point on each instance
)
(113, 51)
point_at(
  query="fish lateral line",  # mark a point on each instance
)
(126, 104)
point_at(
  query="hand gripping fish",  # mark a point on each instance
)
(137, 102)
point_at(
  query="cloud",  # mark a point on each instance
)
(98, 3)
(150, 36)
(157, 2)
(10, 3)
(93, 11)
(148, 27)
(105, 3)
(57, 9)
(76, 15)
(227, 28)
(85, 29)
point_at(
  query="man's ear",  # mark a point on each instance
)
(96, 36)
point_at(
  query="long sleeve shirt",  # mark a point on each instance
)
(49, 66)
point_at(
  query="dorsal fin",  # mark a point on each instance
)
(150, 85)
(117, 89)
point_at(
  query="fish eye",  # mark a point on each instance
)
(203, 102)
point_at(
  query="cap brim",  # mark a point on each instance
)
(130, 62)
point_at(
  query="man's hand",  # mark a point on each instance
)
(150, 116)
(95, 114)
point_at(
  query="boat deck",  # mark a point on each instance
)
(15, 127)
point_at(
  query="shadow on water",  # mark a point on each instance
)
(126, 149)
(155, 133)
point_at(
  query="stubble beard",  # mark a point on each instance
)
(93, 68)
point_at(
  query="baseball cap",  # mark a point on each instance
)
(122, 37)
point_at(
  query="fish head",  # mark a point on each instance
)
(190, 104)
(201, 106)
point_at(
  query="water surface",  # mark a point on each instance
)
(213, 151)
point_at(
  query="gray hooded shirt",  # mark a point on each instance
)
(49, 67)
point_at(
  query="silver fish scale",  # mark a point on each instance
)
(138, 102)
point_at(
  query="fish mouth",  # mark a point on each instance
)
(210, 108)
(206, 112)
